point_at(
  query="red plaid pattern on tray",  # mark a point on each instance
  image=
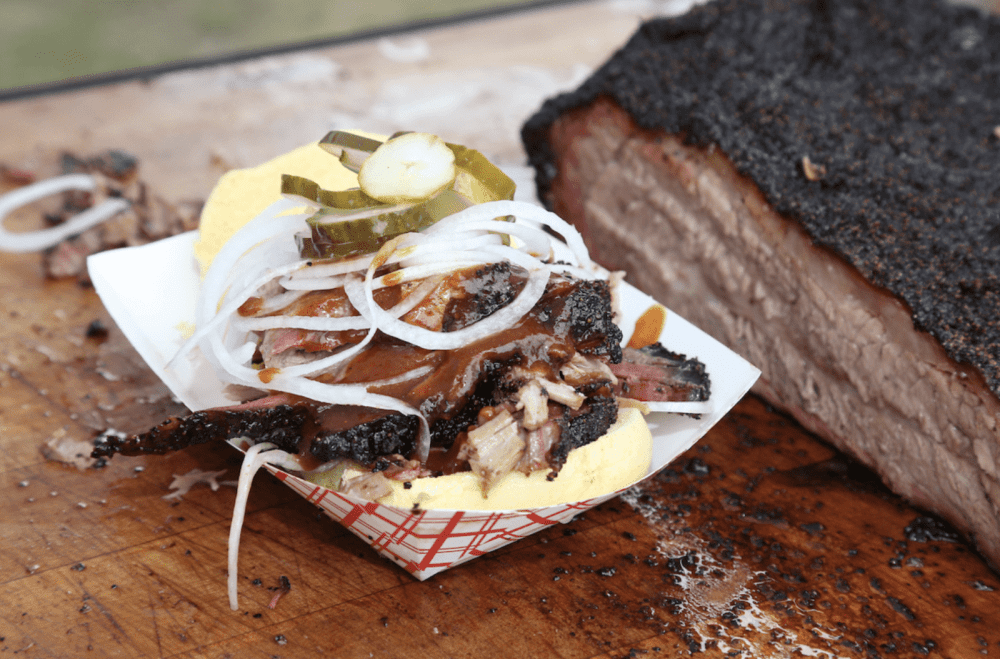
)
(425, 542)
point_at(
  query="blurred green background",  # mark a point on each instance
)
(46, 41)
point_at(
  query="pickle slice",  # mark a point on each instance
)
(407, 184)
(478, 178)
(299, 186)
(316, 246)
(409, 168)
(351, 149)
(337, 232)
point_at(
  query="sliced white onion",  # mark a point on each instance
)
(680, 407)
(534, 241)
(319, 365)
(280, 301)
(412, 374)
(502, 319)
(524, 212)
(415, 297)
(262, 253)
(256, 456)
(266, 225)
(293, 283)
(434, 243)
(229, 366)
(424, 270)
(35, 241)
(341, 267)
(311, 323)
(257, 260)
(245, 353)
(224, 315)
(411, 246)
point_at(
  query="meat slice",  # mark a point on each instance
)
(654, 373)
(281, 424)
(815, 183)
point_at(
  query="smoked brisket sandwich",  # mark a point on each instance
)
(413, 328)
(817, 182)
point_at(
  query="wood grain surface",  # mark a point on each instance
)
(759, 542)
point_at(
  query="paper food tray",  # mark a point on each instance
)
(151, 291)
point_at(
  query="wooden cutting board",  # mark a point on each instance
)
(761, 541)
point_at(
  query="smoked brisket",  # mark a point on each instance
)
(817, 183)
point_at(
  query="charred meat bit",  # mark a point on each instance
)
(581, 428)
(364, 443)
(489, 288)
(586, 315)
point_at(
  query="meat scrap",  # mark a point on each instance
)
(66, 449)
(150, 217)
(815, 184)
(182, 483)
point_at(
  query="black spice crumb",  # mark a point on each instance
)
(901, 608)
(930, 529)
(813, 528)
(96, 330)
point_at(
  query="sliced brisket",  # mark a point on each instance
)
(572, 324)
(299, 427)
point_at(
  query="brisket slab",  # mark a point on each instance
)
(818, 185)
